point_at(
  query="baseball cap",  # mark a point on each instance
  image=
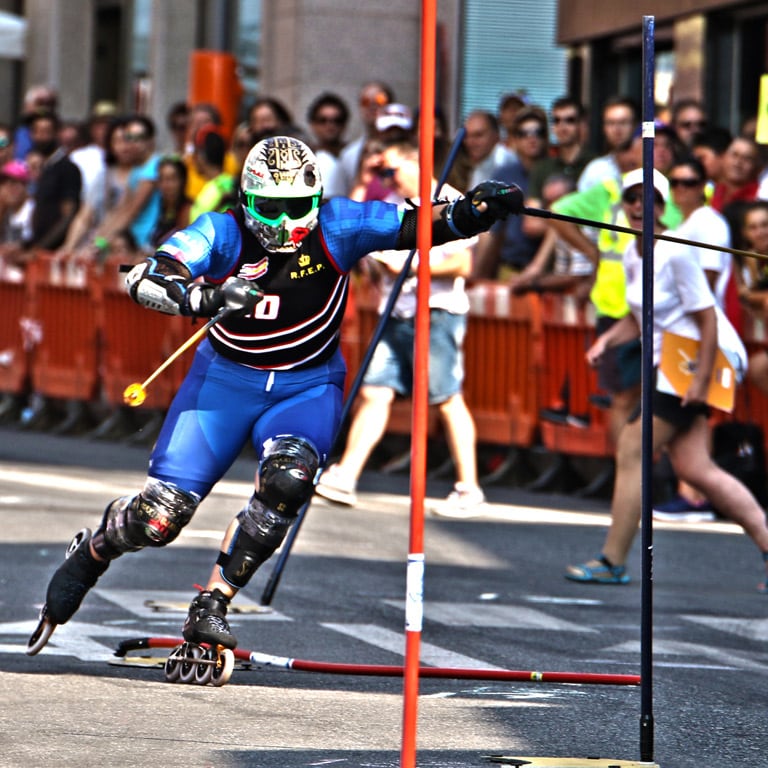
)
(394, 116)
(16, 170)
(633, 178)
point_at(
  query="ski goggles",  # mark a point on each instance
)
(272, 209)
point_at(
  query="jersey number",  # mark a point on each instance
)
(267, 308)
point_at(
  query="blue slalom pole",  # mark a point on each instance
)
(285, 551)
(646, 599)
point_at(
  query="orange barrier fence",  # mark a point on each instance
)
(503, 362)
(17, 335)
(135, 342)
(71, 332)
(65, 362)
(502, 337)
(567, 381)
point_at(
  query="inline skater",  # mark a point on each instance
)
(270, 371)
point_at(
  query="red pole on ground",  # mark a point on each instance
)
(414, 608)
(385, 670)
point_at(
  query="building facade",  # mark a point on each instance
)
(709, 50)
(137, 52)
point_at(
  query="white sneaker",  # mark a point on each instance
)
(335, 485)
(464, 501)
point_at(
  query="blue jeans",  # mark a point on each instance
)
(392, 362)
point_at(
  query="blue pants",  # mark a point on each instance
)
(221, 405)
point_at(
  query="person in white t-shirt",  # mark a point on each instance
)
(390, 372)
(701, 223)
(684, 305)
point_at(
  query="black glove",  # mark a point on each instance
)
(235, 294)
(464, 216)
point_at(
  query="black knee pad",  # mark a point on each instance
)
(153, 518)
(286, 474)
(243, 558)
(263, 525)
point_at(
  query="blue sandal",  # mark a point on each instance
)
(597, 571)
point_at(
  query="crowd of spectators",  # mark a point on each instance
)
(87, 180)
(101, 187)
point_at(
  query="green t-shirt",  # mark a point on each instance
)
(602, 203)
(214, 196)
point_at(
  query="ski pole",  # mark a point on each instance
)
(285, 551)
(545, 214)
(135, 394)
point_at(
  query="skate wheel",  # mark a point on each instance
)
(188, 666)
(41, 635)
(204, 670)
(223, 670)
(173, 664)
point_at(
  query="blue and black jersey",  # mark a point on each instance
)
(297, 323)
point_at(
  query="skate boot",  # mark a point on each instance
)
(206, 656)
(66, 590)
(206, 622)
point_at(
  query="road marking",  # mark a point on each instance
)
(68, 482)
(136, 601)
(393, 642)
(71, 639)
(494, 615)
(552, 600)
(727, 657)
(753, 629)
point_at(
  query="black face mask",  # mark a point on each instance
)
(45, 148)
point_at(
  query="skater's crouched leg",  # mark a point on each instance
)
(72, 580)
(286, 476)
(153, 518)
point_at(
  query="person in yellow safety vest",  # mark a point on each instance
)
(619, 373)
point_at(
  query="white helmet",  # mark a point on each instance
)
(280, 191)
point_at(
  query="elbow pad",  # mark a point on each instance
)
(160, 283)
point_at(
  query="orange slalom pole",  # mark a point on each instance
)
(414, 607)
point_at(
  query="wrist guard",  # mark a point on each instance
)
(159, 283)
(464, 218)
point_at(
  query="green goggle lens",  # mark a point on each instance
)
(272, 209)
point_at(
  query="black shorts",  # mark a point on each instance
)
(620, 366)
(670, 408)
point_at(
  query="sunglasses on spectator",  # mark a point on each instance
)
(135, 136)
(689, 124)
(567, 119)
(689, 183)
(530, 133)
(631, 197)
(379, 100)
(386, 172)
(329, 120)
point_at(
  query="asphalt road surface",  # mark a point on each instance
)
(494, 597)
